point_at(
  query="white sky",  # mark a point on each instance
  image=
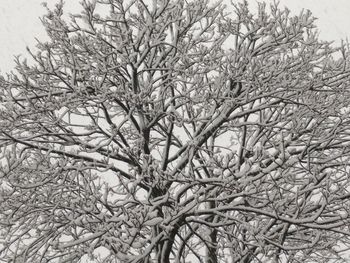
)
(19, 22)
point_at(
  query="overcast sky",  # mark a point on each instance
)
(20, 24)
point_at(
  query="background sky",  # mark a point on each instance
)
(20, 23)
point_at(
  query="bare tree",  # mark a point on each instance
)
(176, 131)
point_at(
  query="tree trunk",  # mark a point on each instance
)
(211, 255)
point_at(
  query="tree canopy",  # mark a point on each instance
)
(176, 131)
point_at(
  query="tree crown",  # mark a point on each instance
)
(163, 131)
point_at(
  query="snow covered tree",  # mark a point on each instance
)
(176, 131)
